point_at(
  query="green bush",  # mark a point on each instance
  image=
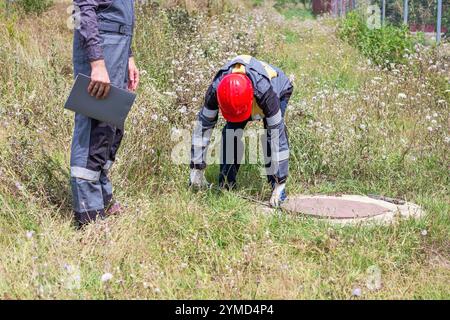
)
(383, 46)
(34, 6)
(282, 3)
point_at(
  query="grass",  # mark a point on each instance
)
(351, 130)
(297, 13)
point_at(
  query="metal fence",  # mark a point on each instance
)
(431, 17)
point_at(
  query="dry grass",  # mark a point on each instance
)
(353, 128)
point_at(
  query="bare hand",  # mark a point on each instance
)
(133, 75)
(100, 83)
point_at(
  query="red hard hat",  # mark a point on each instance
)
(235, 96)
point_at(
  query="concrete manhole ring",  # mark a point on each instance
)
(350, 208)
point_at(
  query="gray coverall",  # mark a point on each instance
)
(105, 32)
(272, 91)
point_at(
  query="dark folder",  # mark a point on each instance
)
(113, 110)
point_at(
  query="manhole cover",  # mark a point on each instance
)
(334, 207)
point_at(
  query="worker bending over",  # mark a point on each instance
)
(244, 90)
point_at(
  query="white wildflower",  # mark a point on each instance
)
(184, 265)
(106, 277)
(357, 292)
(19, 186)
(32, 95)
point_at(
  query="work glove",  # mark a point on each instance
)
(197, 179)
(278, 195)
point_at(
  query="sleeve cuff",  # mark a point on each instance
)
(95, 53)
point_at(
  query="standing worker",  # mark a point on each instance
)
(101, 49)
(245, 89)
